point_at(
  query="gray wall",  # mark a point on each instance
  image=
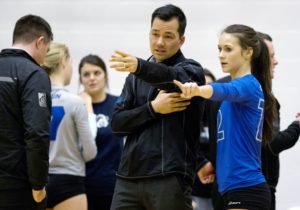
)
(102, 26)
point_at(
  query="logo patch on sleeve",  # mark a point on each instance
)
(42, 99)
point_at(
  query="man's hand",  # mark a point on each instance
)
(166, 103)
(39, 195)
(122, 61)
(206, 174)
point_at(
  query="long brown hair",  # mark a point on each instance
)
(260, 69)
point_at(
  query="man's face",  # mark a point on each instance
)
(273, 60)
(165, 40)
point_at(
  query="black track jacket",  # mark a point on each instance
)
(24, 121)
(159, 144)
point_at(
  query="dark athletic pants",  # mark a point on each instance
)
(98, 202)
(159, 193)
(19, 199)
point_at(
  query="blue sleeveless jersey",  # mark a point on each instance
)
(240, 122)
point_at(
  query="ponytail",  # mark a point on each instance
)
(260, 67)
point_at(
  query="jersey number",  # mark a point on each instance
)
(260, 107)
(220, 134)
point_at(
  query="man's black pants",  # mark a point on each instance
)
(159, 193)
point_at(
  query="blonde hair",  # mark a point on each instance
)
(56, 54)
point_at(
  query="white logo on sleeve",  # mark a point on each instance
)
(102, 120)
(42, 99)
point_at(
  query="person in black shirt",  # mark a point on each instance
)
(162, 151)
(25, 116)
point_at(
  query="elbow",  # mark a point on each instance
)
(117, 125)
(292, 143)
(91, 152)
(114, 125)
(118, 130)
(94, 153)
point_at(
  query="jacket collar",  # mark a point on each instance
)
(17, 52)
(176, 58)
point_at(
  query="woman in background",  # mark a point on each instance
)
(72, 138)
(100, 172)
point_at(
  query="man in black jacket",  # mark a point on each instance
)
(24, 116)
(161, 154)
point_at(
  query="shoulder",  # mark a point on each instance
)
(71, 98)
(250, 86)
(194, 70)
(112, 98)
(76, 99)
(190, 62)
(224, 79)
(31, 71)
(28, 66)
(191, 66)
(247, 80)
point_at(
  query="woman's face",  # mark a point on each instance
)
(231, 55)
(93, 79)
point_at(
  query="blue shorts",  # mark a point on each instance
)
(61, 187)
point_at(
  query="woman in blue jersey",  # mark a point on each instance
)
(100, 172)
(72, 137)
(244, 119)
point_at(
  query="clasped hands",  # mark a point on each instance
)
(166, 103)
